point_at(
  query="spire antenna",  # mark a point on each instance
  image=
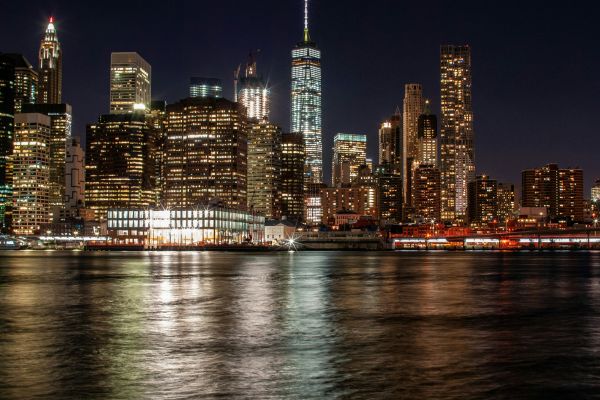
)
(306, 36)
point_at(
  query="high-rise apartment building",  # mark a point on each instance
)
(389, 197)
(25, 81)
(7, 122)
(427, 138)
(30, 159)
(483, 201)
(264, 168)
(130, 83)
(391, 141)
(349, 153)
(120, 157)
(60, 134)
(50, 67)
(306, 101)
(413, 106)
(252, 92)
(559, 190)
(206, 153)
(457, 156)
(205, 87)
(74, 177)
(427, 193)
(506, 202)
(156, 118)
(292, 176)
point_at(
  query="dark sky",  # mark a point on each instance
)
(535, 65)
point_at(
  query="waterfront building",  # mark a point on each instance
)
(389, 197)
(313, 208)
(74, 176)
(120, 163)
(427, 193)
(25, 81)
(264, 168)
(205, 87)
(483, 201)
(596, 192)
(279, 231)
(306, 102)
(292, 176)
(560, 190)
(413, 107)
(457, 156)
(391, 141)
(184, 227)
(349, 153)
(7, 121)
(156, 119)
(361, 199)
(61, 118)
(506, 202)
(206, 153)
(130, 83)
(30, 159)
(252, 92)
(50, 67)
(427, 138)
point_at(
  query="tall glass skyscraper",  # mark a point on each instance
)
(130, 83)
(306, 102)
(252, 92)
(50, 76)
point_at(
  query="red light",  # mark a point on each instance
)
(51, 20)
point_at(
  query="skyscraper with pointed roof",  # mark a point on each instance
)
(306, 102)
(50, 63)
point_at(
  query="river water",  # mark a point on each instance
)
(447, 325)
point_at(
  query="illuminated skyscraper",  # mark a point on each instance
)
(119, 170)
(205, 87)
(426, 193)
(50, 75)
(130, 83)
(457, 156)
(7, 122)
(31, 156)
(156, 118)
(483, 201)
(427, 138)
(26, 81)
(252, 92)
(74, 177)
(264, 168)
(506, 202)
(306, 101)
(390, 141)
(60, 134)
(206, 153)
(413, 108)
(349, 153)
(390, 194)
(292, 176)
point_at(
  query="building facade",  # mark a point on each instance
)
(130, 83)
(50, 67)
(252, 92)
(7, 131)
(391, 141)
(361, 199)
(427, 138)
(390, 197)
(506, 202)
(413, 107)
(596, 192)
(306, 102)
(206, 153)
(292, 176)
(74, 176)
(205, 87)
(457, 155)
(30, 159)
(349, 153)
(483, 201)
(427, 193)
(25, 81)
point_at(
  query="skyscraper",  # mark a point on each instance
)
(413, 108)
(264, 168)
(426, 193)
(130, 83)
(349, 153)
(390, 194)
(50, 63)
(391, 140)
(206, 153)
(427, 138)
(457, 156)
(306, 101)
(483, 201)
(26, 81)
(74, 177)
(205, 87)
(252, 92)
(7, 122)
(292, 176)
(31, 156)
(596, 192)
(506, 201)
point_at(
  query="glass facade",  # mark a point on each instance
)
(205, 87)
(130, 83)
(349, 153)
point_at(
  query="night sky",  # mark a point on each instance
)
(535, 65)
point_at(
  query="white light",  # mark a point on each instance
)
(139, 106)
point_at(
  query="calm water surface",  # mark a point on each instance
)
(304, 325)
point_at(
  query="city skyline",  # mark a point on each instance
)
(529, 122)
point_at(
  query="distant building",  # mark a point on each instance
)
(206, 87)
(7, 131)
(156, 119)
(120, 163)
(50, 67)
(457, 155)
(264, 169)
(506, 202)
(391, 142)
(349, 153)
(483, 201)
(426, 193)
(292, 176)
(74, 176)
(206, 153)
(31, 157)
(596, 192)
(389, 198)
(413, 107)
(252, 92)
(362, 200)
(559, 190)
(130, 83)
(313, 207)
(427, 138)
(25, 81)
(278, 232)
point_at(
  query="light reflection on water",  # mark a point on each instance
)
(300, 325)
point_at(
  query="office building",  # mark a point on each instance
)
(292, 176)
(413, 107)
(30, 159)
(120, 163)
(457, 155)
(427, 138)
(391, 141)
(206, 153)
(74, 176)
(306, 101)
(483, 201)
(50, 67)
(361, 199)
(506, 202)
(25, 81)
(156, 119)
(390, 195)
(264, 169)
(349, 153)
(205, 87)
(7, 121)
(559, 190)
(313, 208)
(130, 83)
(252, 92)
(427, 193)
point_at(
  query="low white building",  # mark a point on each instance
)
(278, 231)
